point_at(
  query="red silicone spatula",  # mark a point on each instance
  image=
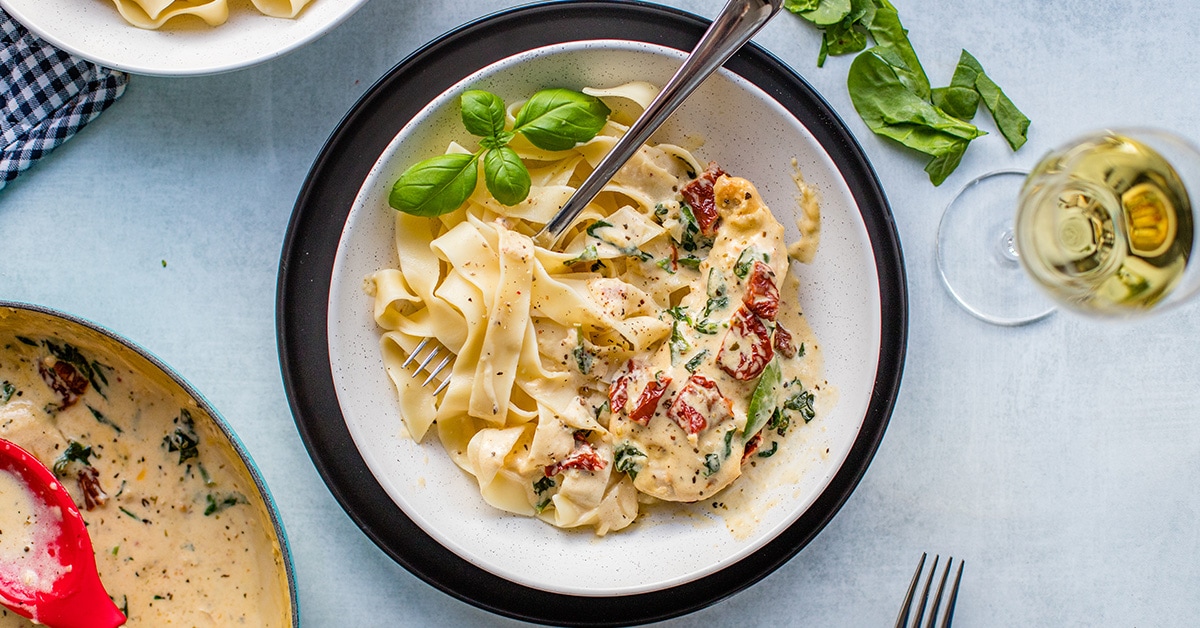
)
(57, 585)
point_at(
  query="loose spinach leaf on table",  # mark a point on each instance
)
(1012, 123)
(892, 93)
(890, 108)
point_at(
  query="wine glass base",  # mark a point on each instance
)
(977, 258)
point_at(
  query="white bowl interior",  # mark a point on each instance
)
(93, 30)
(749, 134)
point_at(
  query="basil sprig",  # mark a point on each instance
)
(891, 92)
(552, 119)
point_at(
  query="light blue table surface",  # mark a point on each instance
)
(1061, 460)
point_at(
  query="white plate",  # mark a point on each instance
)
(94, 30)
(428, 514)
(749, 135)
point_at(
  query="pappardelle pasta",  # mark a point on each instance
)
(655, 350)
(152, 14)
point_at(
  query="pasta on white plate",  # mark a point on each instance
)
(153, 14)
(651, 353)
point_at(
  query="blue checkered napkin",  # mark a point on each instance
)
(46, 96)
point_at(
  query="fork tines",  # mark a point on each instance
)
(433, 353)
(919, 605)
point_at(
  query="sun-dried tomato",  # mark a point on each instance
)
(618, 392)
(752, 446)
(762, 297)
(647, 402)
(584, 456)
(699, 404)
(89, 485)
(783, 342)
(746, 349)
(64, 379)
(698, 194)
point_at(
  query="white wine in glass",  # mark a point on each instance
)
(1103, 225)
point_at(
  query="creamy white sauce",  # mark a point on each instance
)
(27, 526)
(177, 543)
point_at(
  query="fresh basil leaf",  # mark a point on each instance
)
(1012, 123)
(763, 400)
(482, 113)
(558, 119)
(498, 141)
(435, 186)
(888, 32)
(505, 175)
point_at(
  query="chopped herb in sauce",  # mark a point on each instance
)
(692, 239)
(628, 459)
(712, 464)
(679, 345)
(218, 503)
(583, 357)
(746, 261)
(74, 452)
(696, 361)
(589, 254)
(90, 369)
(184, 438)
(718, 294)
(133, 515)
(599, 224)
(627, 250)
(541, 486)
(802, 402)
(7, 390)
(103, 420)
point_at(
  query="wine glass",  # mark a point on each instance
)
(1104, 225)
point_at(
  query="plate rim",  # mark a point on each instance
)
(320, 212)
(139, 66)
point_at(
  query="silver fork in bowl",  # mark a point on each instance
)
(732, 28)
(911, 603)
(421, 366)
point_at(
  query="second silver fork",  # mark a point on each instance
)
(912, 604)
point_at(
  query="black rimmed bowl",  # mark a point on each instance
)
(756, 118)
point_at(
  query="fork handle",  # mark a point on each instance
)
(733, 27)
